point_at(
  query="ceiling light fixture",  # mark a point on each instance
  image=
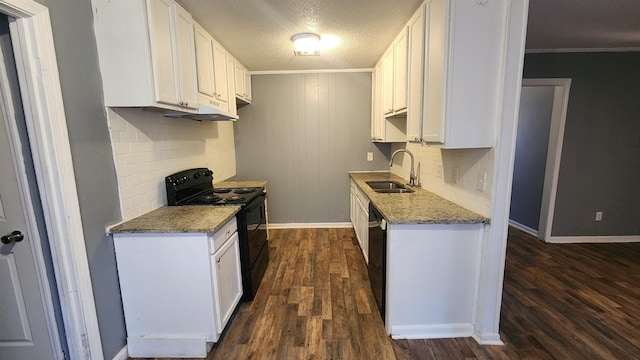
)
(307, 44)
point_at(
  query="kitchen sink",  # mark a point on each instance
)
(389, 187)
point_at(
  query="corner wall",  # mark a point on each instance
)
(435, 170)
(148, 146)
(600, 162)
(303, 133)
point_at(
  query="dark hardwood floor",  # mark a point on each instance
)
(570, 301)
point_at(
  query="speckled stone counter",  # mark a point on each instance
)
(236, 183)
(419, 207)
(179, 219)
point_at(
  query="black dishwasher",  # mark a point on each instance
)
(378, 256)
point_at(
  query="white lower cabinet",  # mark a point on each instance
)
(178, 289)
(432, 280)
(227, 282)
(359, 212)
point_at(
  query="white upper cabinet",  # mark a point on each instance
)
(400, 72)
(394, 83)
(463, 72)
(147, 54)
(242, 78)
(415, 75)
(387, 81)
(383, 129)
(212, 72)
(231, 88)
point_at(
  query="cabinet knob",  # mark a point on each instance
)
(186, 103)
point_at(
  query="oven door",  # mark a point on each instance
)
(255, 213)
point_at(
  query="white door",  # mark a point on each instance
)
(23, 330)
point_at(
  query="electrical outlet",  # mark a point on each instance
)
(454, 175)
(482, 181)
(369, 156)
(598, 215)
(439, 172)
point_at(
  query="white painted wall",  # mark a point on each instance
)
(434, 168)
(148, 146)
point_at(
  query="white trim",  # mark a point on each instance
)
(337, 225)
(495, 235)
(593, 239)
(488, 339)
(582, 50)
(525, 228)
(318, 71)
(123, 354)
(437, 331)
(39, 80)
(8, 111)
(554, 150)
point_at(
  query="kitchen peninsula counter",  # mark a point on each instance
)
(179, 219)
(419, 207)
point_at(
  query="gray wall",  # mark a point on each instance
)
(534, 121)
(72, 24)
(303, 133)
(600, 164)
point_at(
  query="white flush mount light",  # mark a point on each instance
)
(307, 44)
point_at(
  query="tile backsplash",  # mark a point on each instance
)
(436, 169)
(148, 146)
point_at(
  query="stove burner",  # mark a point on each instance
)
(209, 198)
(244, 190)
(221, 191)
(234, 198)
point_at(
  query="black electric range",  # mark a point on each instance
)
(195, 187)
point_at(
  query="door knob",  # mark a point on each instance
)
(16, 236)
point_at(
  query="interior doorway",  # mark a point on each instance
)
(543, 111)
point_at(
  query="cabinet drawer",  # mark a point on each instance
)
(220, 237)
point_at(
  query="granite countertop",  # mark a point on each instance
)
(240, 183)
(179, 219)
(419, 207)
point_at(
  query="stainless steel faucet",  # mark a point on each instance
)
(412, 174)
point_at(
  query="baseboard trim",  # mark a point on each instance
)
(440, 331)
(123, 354)
(525, 228)
(488, 339)
(337, 225)
(593, 239)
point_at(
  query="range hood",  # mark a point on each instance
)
(207, 111)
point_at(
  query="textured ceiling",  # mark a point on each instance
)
(258, 32)
(583, 24)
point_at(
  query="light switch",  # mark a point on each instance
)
(369, 156)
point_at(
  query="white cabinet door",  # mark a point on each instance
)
(220, 68)
(239, 77)
(464, 66)
(173, 53)
(247, 85)
(164, 52)
(231, 86)
(204, 62)
(433, 126)
(186, 58)
(400, 72)
(415, 75)
(387, 82)
(227, 280)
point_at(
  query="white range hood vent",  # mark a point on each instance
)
(206, 113)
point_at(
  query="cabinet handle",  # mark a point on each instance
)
(186, 103)
(218, 261)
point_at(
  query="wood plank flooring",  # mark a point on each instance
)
(570, 301)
